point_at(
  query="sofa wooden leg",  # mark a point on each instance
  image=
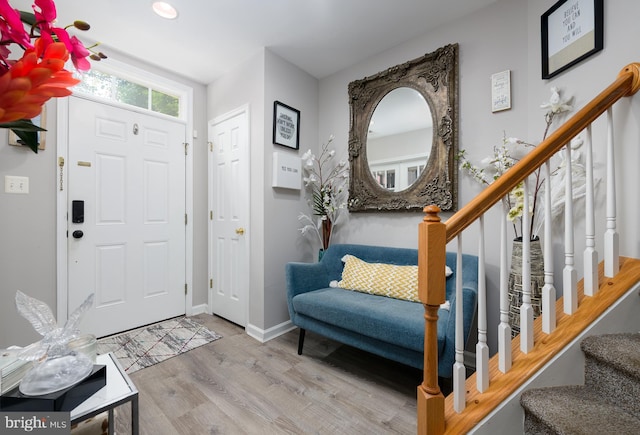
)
(301, 341)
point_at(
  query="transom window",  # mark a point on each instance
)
(113, 87)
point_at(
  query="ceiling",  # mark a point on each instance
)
(211, 36)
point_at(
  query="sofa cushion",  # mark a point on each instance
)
(391, 320)
(399, 282)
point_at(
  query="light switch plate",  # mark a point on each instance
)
(15, 184)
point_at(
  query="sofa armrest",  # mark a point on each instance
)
(305, 277)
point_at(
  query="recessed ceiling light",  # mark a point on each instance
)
(165, 10)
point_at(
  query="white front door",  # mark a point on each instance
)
(126, 238)
(229, 215)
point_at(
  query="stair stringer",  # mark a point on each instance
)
(565, 368)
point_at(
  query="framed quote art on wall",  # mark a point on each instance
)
(571, 31)
(286, 125)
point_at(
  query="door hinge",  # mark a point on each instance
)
(210, 215)
(185, 219)
(185, 288)
(210, 146)
(186, 148)
(210, 282)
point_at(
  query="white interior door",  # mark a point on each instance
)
(229, 215)
(128, 169)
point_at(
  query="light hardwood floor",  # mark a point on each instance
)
(236, 385)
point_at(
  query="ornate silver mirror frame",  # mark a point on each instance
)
(435, 77)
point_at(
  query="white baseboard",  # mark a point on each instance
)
(199, 309)
(269, 334)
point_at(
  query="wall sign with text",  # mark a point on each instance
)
(286, 125)
(571, 31)
(501, 91)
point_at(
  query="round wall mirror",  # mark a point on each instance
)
(399, 139)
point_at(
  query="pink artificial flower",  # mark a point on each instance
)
(45, 12)
(11, 26)
(78, 51)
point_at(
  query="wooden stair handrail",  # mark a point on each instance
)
(627, 84)
(434, 235)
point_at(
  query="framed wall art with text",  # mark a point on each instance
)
(286, 125)
(572, 30)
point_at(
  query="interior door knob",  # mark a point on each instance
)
(240, 231)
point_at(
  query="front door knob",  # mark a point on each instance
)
(77, 234)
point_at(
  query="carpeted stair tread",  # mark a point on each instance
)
(574, 410)
(620, 351)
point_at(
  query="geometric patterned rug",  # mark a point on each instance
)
(149, 345)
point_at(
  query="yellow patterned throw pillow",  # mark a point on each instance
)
(399, 282)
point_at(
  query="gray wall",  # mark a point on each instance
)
(27, 233)
(505, 35)
(28, 222)
(273, 231)
(502, 36)
(294, 87)
(245, 85)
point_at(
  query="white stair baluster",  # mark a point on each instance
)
(590, 253)
(504, 329)
(549, 290)
(459, 371)
(526, 310)
(611, 238)
(482, 349)
(569, 277)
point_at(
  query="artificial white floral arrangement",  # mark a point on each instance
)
(325, 181)
(509, 153)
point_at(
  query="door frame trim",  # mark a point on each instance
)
(245, 108)
(62, 138)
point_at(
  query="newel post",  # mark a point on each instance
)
(431, 290)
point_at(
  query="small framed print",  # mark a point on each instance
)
(501, 91)
(40, 121)
(572, 30)
(286, 125)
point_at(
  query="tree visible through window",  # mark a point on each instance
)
(128, 92)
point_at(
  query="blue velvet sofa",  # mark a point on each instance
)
(391, 328)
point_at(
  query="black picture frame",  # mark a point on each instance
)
(286, 125)
(571, 31)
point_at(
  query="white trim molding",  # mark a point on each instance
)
(263, 335)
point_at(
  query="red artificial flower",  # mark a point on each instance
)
(33, 80)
